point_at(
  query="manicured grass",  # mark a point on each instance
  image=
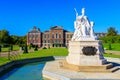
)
(46, 52)
(3, 60)
(37, 54)
(15, 48)
(111, 55)
(115, 46)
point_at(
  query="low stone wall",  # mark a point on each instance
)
(7, 66)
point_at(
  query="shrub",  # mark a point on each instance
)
(109, 47)
(11, 47)
(36, 48)
(6, 45)
(44, 48)
(0, 48)
(25, 49)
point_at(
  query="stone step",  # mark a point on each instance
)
(108, 66)
(114, 69)
(90, 68)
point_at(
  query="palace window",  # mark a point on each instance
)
(44, 36)
(70, 36)
(48, 35)
(52, 35)
(67, 36)
(48, 41)
(59, 35)
(56, 35)
(45, 41)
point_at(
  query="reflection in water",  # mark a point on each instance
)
(31, 71)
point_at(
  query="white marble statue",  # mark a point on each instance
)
(83, 28)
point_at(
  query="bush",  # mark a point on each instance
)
(36, 48)
(0, 48)
(109, 47)
(6, 45)
(31, 46)
(11, 47)
(25, 49)
(111, 39)
(44, 48)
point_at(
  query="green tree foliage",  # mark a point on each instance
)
(111, 39)
(112, 36)
(4, 37)
(36, 48)
(0, 48)
(109, 47)
(112, 31)
(11, 47)
(14, 39)
(25, 49)
(18, 40)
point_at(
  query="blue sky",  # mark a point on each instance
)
(19, 16)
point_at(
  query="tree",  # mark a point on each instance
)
(4, 37)
(14, 39)
(25, 49)
(112, 31)
(36, 48)
(11, 47)
(21, 40)
(109, 46)
(0, 48)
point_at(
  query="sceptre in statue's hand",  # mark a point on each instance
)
(76, 12)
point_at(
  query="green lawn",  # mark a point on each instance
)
(115, 46)
(46, 52)
(3, 60)
(111, 55)
(15, 48)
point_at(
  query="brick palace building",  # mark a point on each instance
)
(55, 37)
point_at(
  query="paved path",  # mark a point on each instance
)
(13, 53)
(53, 71)
(113, 52)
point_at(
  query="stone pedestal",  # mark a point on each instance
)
(77, 57)
(81, 58)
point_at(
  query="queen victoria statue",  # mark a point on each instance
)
(83, 28)
(84, 47)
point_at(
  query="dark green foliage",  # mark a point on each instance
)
(22, 47)
(36, 48)
(4, 37)
(44, 48)
(0, 48)
(25, 49)
(112, 31)
(30, 46)
(109, 47)
(112, 36)
(111, 39)
(5, 45)
(11, 47)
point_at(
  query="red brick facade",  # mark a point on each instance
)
(55, 37)
(34, 37)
